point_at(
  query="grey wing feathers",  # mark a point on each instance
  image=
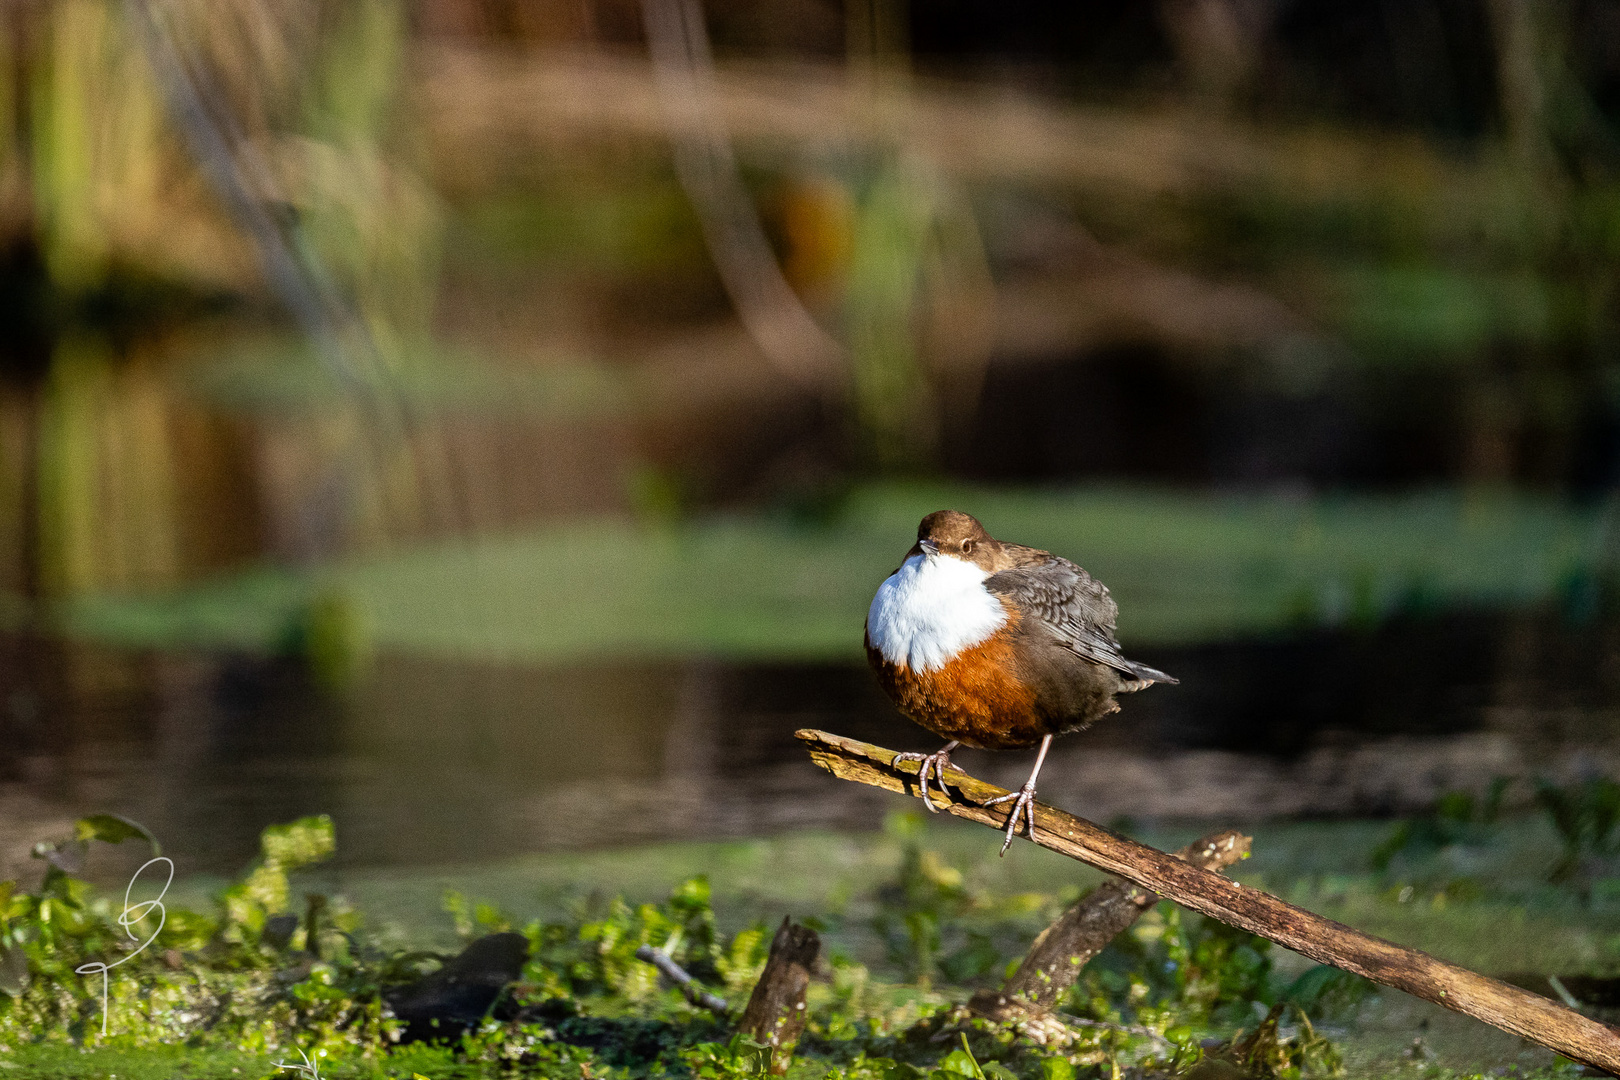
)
(1077, 608)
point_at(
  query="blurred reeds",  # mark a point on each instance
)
(503, 223)
(138, 267)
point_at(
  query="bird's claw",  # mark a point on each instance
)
(937, 762)
(1024, 803)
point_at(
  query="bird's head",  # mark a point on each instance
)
(953, 534)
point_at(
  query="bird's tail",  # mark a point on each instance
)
(1150, 675)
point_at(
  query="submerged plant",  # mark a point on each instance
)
(1586, 816)
(1459, 819)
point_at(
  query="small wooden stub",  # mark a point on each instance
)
(1323, 940)
(1064, 948)
(776, 1012)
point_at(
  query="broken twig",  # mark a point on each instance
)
(1064, 948)
(1519, 1011)
(689, 986)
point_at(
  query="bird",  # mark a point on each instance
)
(995, 646)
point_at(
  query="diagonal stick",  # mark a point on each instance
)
(1323, 940)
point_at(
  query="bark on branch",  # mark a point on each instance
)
(1056, 958)
(1496, 1003)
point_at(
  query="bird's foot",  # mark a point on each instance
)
(1023, 803)
(937, 762)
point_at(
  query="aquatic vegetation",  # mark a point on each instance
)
(1421, 856)
(789, 586)
(1586, 816)
(274, 972)
(1457, 819)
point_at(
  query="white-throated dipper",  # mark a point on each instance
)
(995, 646)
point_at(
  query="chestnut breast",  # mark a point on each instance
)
(946, 650)
(976, 697)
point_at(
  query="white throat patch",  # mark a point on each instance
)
(931, 609)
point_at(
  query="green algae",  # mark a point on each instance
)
(231, 991)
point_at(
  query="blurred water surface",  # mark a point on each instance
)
(425, 762)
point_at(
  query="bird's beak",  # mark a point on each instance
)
(929, 547)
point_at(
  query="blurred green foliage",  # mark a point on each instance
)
(894, 402)
(915, 909)
(1458, 818)
(1183, 568)
(1586, 814)
(1443, 856)
(265, 889)
(332, 636)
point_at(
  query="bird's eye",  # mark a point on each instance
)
(967, 547)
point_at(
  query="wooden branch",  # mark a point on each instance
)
(775, 1014)
(693, 992)
(1496, 1003)
(1056, 958)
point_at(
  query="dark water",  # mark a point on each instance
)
(430, 762)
